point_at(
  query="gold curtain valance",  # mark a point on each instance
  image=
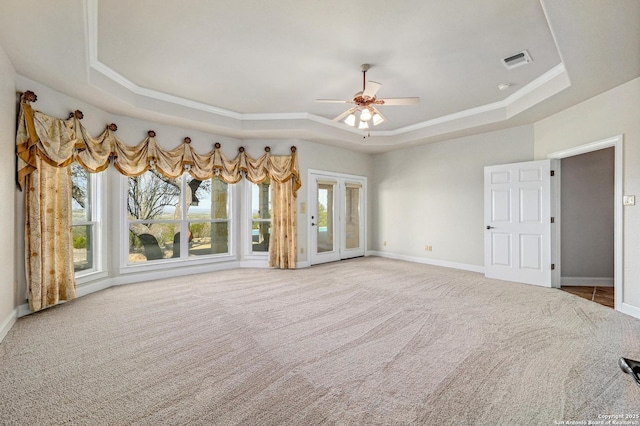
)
(61, 142)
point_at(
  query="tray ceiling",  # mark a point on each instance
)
(252, 69)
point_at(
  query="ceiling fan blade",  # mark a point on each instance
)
(398, 101)
(334, 101)
(344, 114)
(371, 89)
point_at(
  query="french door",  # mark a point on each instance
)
(336, 216)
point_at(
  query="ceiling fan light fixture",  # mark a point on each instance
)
(364, 110)
(350, 120)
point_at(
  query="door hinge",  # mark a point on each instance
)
(553, 219)
(553, 266)
(553, 172)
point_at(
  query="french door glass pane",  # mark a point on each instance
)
(352, 217)
(325, 218)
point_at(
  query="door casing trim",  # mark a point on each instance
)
(617, 143)
(310, 173)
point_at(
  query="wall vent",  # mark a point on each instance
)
(517, 60)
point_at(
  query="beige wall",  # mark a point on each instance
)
(612, 113)
(8, 265)
(433, 195)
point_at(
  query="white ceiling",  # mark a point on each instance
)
(251, 69)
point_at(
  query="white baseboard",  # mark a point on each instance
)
(7, 323)
(434, 262)
(630, 310)
(24, 310)
(305, 264)
(587, 281)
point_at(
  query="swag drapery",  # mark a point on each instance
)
(47, 146)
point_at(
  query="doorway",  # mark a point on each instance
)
(587, 200)
(337, 211)
(580, 261)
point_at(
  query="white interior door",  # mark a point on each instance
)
(336, 217)
(517, 203)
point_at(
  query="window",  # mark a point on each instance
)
(84, 219)
(208, 218)
(161, 211)
(261, 217)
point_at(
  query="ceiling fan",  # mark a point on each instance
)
(364, 111)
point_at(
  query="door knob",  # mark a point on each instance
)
(490, 227)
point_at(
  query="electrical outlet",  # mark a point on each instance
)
(629, 200)
(303, 207)
(301, 250)
(428, 248)
(384, 244)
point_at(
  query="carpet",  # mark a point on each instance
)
(367, 341)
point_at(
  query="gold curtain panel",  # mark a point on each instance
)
(46, 146)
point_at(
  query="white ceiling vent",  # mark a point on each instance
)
(519, 59)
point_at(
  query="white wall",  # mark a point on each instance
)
(433, 195)
(8, 291)
(614, 112)
(587, 188)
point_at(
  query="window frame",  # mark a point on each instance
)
(247, 225)
(183, 223)
(97, 194)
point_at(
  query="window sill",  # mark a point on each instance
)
(89, 277)
(175, 264)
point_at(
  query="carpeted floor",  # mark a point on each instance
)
(365, 342)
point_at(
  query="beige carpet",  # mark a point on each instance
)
(365, 342)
